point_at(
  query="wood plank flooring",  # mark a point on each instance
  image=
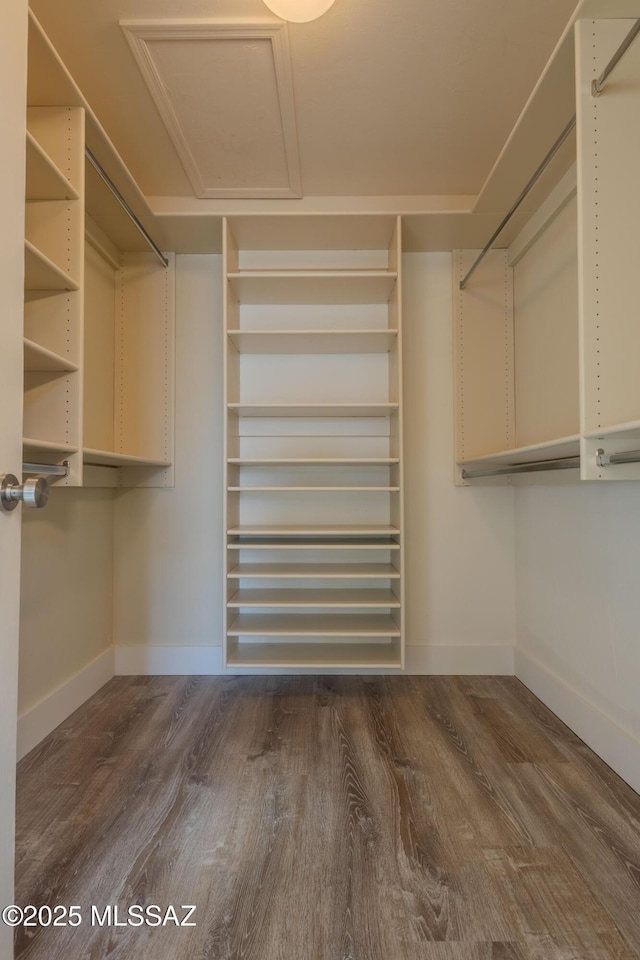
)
(328, 818)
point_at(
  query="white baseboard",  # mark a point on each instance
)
(458, 660)
(617, 747)
(438, 659)
(38, 721)
(148, 661)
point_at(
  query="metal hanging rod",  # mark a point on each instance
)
(606, 459)
(536, 466)
(597, 85)
(532, 182)
(47, 469)
(125, 206)
(596, 88)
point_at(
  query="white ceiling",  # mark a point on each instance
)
(390, 97)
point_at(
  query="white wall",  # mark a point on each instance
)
(66, 610)
(168, 543)
(578, 605)
(460, 584)
(67, 589)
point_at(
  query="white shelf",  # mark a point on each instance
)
(326, 656)
(312, 286)
(314, 231)
(107, 458)
(296, 598)
(552, 449)
(313, 530)
(313, 571)
(313, 543)
(312, 341)
(38, 359)
(31, 447)
(308, 410)
(313, 489)
(618, 431)
(41, 273)
(313, 625)
(44, 180)
(321, 461)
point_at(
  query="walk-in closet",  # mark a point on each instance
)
(319, 493)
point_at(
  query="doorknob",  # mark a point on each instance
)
(34, 492)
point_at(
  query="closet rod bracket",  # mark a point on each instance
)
(597, 85)
(608, 459)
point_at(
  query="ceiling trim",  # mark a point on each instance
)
(138, 33)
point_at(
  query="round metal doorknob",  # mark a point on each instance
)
(34, 492)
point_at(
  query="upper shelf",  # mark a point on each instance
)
(313, 341)
(39, 359)
(50, 84)
(314, 232)
(330, 410)
(314, 625)
(44, 180)
(41, 273)
(36, 448)
(552, 449)
(314, 530)
(314, 571)
(323, 597)
(108, 458)
(309, 489)
(312, 286)
(339, 542)
(314, 461)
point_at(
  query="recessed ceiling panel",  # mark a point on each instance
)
(224, 92)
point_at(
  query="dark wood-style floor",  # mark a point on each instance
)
(325, 818)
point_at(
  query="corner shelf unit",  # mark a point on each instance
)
(98, 348)
(546, 332)
(313, 445)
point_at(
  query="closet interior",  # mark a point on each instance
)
(312, 538)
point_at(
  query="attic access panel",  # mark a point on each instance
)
(224, 92)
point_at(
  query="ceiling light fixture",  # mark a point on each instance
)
(299, 11)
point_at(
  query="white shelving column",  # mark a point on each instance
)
(313, 445)
(54, 287)
(609, 236)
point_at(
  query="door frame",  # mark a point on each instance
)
(13, 99)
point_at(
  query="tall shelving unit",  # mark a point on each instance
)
(313, 446)
(99, 308)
